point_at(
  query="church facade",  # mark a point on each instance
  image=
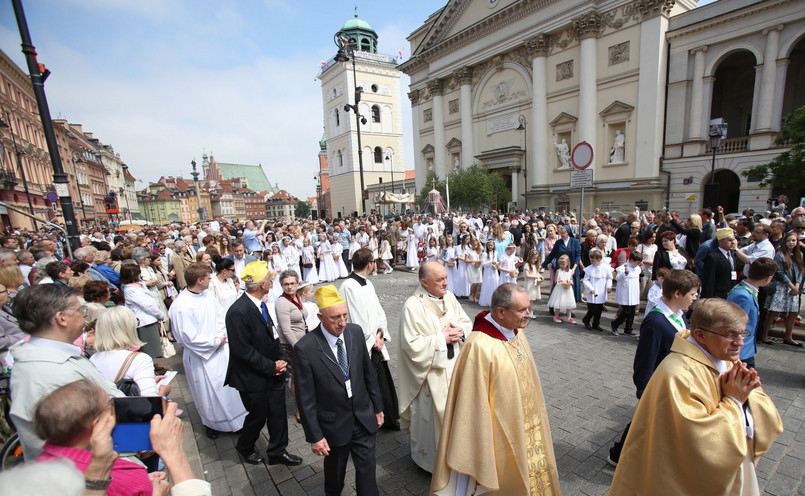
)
(516, 85)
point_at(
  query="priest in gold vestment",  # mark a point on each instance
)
(703, 421)
(496, 439)
(432, 327)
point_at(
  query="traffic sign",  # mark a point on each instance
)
(582, 155)
(581, 178)
(52, 196)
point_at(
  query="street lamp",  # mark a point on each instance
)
(711, 190)
(390, 159)
(195, 174)
(346, 50)
(78, 185)
(19, 153)
(522, 127)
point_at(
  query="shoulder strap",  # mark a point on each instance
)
(125, 366)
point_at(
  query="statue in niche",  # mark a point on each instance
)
(456, 165)
(563, 152)
(616, 152)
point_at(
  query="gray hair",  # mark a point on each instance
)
(35, 306)
(101, 257)
(116, 329)
(504, 295)
(50, 477)
(178, 244)
(140, 253)
(601, 237)
(288, 273)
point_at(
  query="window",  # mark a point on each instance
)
(337, 118)
(375, 113)
(378, 155)
(339, 159)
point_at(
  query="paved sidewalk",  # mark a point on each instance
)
(587, 380)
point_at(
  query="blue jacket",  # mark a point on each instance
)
(656, 337)
(745, 296)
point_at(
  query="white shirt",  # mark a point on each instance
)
(757, 250)
(259, 305)
(332, 343)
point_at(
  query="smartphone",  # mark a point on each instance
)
(133, 416)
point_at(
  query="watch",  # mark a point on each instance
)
(97, 485)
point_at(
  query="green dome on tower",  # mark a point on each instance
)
(357, 23)
(360, 34)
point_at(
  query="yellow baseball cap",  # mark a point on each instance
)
(327, 296)
(254, 272)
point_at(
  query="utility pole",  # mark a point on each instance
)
(38, 75)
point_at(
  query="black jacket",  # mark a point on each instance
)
(253, 349)
(321, 393)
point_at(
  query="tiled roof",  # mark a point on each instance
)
(254, 174)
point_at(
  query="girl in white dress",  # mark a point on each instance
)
(328, 270)
(449, 261)
(373, 247)
(305, 291)
(278, 264)
(385, 253)
(310, 274)
(411, 260)
(562, 297)
(222, 284)
(472, 257)
(532, 277)
(489, 263)
(432, 255)
(337, 249)
(461, 286)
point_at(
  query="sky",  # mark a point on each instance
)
(164, 81)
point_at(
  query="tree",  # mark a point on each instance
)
(302, 209)
(475, 187)
(787, 170)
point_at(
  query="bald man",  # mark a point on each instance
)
(432, 328)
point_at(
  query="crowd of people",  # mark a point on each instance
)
(239, 299)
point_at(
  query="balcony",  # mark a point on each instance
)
(8, 178)
(734, 145)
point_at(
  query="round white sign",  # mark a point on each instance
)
(582, 155)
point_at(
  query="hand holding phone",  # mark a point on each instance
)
(133, 416)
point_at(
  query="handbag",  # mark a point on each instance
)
(307, 265)
(168, 350)
(127, 386)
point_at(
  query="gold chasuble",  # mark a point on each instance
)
(495, 424)
(687, 438)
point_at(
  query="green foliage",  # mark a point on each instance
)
(787, 170)
(302, 209)
(475, 188)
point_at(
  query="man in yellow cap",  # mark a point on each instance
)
(257, 369)
(719, 274)
(338, 395)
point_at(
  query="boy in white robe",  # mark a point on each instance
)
(627, 293)
(598, 283)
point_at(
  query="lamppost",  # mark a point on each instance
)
(346, 51)
(195, 174)
(78, 185)
(19, 153)
(522, 127)
(711, 189)
(391, 163)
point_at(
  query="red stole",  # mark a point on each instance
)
(486, 327)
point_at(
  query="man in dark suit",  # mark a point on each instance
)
(338, 395)
(257, 369)
(241, 259)
(719, 274)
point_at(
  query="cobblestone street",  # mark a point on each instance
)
(588, 388)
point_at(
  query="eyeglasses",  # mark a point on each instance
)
(732, 335)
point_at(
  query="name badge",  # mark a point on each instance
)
(733, 276)
(348, 384)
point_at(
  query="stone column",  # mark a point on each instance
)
(436, 89)
(779, 93)
(707, 103)
(538, 147)
(755, 98)
(697, 96)
(587, 29)
(464, 77)
(420, 167)
(515, 172)
(651, 88)
(767, 84)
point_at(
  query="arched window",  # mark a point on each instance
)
(339, 159)
(733, 92)
(366, 45)
(378, 155)
(375, 113)
(337, 118)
